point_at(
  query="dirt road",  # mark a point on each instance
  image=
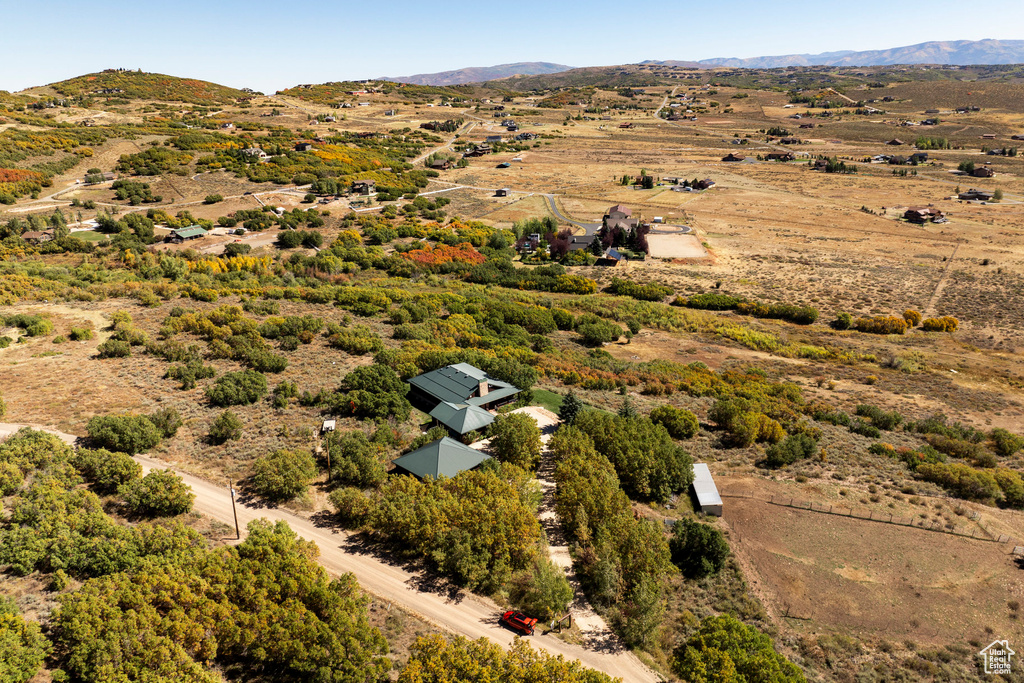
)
(455, 611)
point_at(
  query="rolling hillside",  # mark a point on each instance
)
(935, 52)
(477, 74)
(138, 85)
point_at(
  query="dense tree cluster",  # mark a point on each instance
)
(622, 559)
(725, 649)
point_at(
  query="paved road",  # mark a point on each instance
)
(589, 228)
(455, 611)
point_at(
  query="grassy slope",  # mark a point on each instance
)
(149, 86)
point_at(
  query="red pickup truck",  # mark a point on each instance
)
(517, 621)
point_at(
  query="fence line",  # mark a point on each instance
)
(981, 534)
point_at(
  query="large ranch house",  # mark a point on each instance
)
(460, 397)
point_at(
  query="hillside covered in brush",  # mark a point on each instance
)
(139, 85)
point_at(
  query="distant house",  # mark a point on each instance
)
(444, 457)
(1017, 137)
(621, 217)
(820, 164)
(918, 158)
(972, 194)
(627, 124)
(179, 235)
(708, 498)
(789, 141)
(982, 172)
(38, 237)
(461, 385)
(988, 136)
(303, 146)
(780, 156)
(255, 152)
(922, 215)
(996, 152)
(931, 111)
(705, 184)
(503, 192)
(441, 164)
(611, 257)
(733, 156)
(364, 187)
(493, 138)
(227, 126)
(807, 125)
(895, 141)
(581, 242)
(477, 151)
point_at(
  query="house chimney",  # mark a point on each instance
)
(483, 387)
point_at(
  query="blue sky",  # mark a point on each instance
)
(272, 45)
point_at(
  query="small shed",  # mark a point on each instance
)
(503, 192)
(707, 493)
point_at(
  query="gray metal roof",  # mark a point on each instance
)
(461, 418)
(704, 486)
(457, 384)
(445, 457)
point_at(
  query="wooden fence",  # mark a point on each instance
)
(978, 533)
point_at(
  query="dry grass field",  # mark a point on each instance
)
(776, 232)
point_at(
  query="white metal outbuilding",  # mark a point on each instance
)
(707, 493)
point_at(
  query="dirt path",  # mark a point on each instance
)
(929, 310)
(9, 429)
(442, 605)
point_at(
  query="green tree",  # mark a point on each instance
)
(436, 659)
(680, 423)
(22, 643)
(283, 474)
(167, 420)
(627, 410)
(515, 439)
(161, 493)
(237, 388)
(542, 592)
(356, 460)
(795, 447)
(571, 407)
(129, 434)
(226, 427)
(723, 645)
(698, 549)
(1006, 443)
(106, 471)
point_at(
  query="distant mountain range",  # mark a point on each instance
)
(477, 74)
(935, 52)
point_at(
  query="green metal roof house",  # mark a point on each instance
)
(461, 419)
(190, 233)
(460, 384)
(445, 457)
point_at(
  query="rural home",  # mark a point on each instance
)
(584, 242)
(789, 141)
(444, 457)
(179, 235)
(440, 164)
(477, 151)
(38, 237)
(503, 192)
(255, 152)
(460, 385)
(988, 136)
(732, 156)
(493, 138)
(626, 125)
(973, 194)
(780, 156)
(922, 215)
(895, 141)
(303, 146)
(707, 493)
(364, 187)
(620, 216)
(982, 172)
(918, 158)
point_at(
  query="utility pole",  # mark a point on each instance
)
(238, 534)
